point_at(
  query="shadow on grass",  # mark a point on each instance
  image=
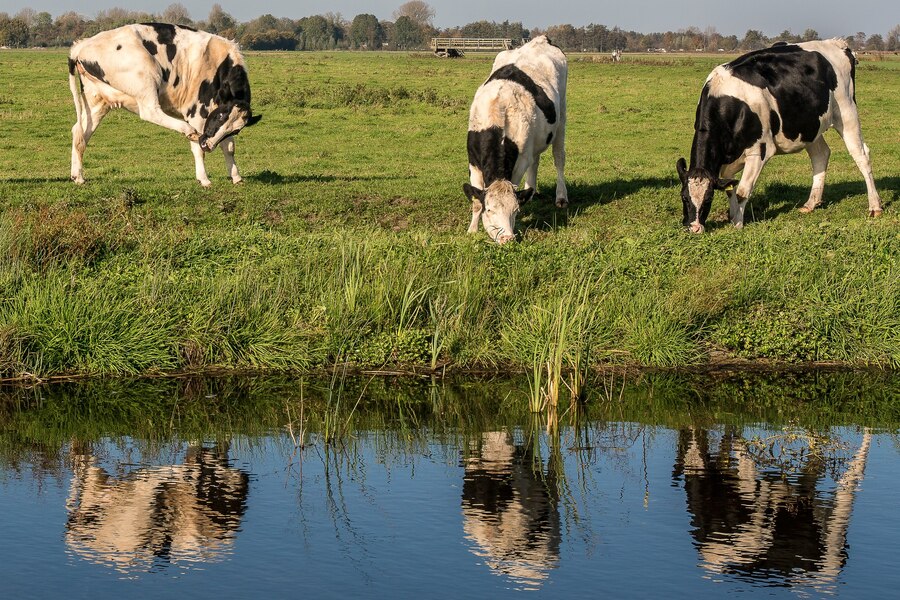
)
(35, 180)
(780, 198)
(541, 211)
(275, 178)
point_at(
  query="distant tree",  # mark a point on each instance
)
(730, 43)
(875, 43)
(753, 40)
(14, 32)
(809, 35)
(366, 32)
(42, 31)
(565, 36)
(177, 14)
(859, 40)
(219, 21)
(27, 16)
(407, 33)
(786, 36)
(420, 13)
(69, 27)
(893, 39)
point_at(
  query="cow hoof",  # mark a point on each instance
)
(804, 210)
(738, 225)
(206, 184)
(237, 180)
(562, 202)
(875, 213)
(194, 137)
(78, 179)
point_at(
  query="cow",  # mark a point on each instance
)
(186, 80)
(516, 114)
(777, 100)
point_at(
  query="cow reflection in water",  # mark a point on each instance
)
(509, 506)
(760, 525)
(153, 516)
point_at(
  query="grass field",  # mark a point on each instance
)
(347, 244)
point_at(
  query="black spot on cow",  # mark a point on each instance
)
(165, 36)
(177, 81)
(150, 46)
(186, 27)
(492, 153)
(71, 66)
(94, 69)
(774, 122)
(724, 127)
(762, 151)
(165, 32)
(191, 111)
(549, 138)
(800, 80)
(852, 60)
(165, 75)
(204, 112)
(119, 47)
(229, 84)
(517, 75)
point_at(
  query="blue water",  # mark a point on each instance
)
(613, 509)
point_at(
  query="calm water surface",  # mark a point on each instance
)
(666, 487)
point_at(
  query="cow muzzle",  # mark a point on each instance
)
(204, 144)
(696, 227)
(508, 237)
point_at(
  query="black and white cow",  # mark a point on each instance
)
(778, 100)
(516, 114)
(183, 79)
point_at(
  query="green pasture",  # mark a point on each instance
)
(346, 243)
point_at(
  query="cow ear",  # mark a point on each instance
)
(524, 195)
(725, 184)
(472, 192)
(253, 120)
(681, 167)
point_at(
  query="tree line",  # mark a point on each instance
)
(411, 28)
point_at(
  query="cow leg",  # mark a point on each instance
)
(84, 128)
(738, 199)
(559, 161)
(227, 146)
(200, 165)
(819, 153)
(531, 174)
(150, 110)
(848, 127)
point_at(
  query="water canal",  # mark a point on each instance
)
(656, 486)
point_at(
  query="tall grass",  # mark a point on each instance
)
(345, 247)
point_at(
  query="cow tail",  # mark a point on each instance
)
(75, 86)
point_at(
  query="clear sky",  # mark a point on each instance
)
(828, 17)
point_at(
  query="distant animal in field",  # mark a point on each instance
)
(778, 100)
(516, 114)
(186, 80)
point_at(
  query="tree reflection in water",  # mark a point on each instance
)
(781, 529)
(157, 515)
(509, 505)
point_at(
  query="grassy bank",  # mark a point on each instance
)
(346, 242)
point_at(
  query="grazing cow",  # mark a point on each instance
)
(516, 114)
(778, 100)
(183, 79)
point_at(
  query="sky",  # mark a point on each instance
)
(829, 18)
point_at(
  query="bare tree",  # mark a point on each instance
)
(419, 12)
(177, 14)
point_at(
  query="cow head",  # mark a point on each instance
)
(498, 205)
(226, 120)
(697, 187)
